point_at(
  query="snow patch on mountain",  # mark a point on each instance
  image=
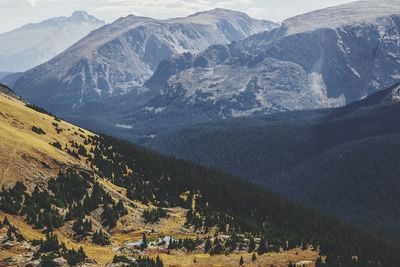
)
(124, 126)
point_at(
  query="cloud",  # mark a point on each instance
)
(16, 3)
(257, 12)
(32, 2)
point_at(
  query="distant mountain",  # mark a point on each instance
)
(4, 74)
(343, 161)
(10, 78)
(120, 57)
(325, 58)
(34, 44)
(5, 90)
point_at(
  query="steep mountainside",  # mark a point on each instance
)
(121, 203)
(325, 58)
(34, 44)
(342, 161)
(120, 57)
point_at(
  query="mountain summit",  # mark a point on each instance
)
(35, 43)
(80, 15)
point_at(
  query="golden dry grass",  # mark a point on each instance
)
(181, 259)
(26, 155)
(102, 255)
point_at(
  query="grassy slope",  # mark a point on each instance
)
(25, 154)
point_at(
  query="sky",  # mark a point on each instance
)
(15, 13)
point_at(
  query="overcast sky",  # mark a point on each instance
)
(15, 13)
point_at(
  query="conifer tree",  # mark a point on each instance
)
(121, 208)
(100, 238)
(262, 248)
(159, 263)
(144, 244)
(109, 217)
(241, 261)
(319, 262)
(252, 245)
(217, 246)
(10, 234)
(207, 245)
(6, 222)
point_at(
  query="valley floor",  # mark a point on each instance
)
(16, 253)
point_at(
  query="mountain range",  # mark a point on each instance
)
(327, 58)
(46, 40)
(322, 59)
(118, 58)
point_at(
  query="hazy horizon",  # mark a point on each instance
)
(20, 12)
